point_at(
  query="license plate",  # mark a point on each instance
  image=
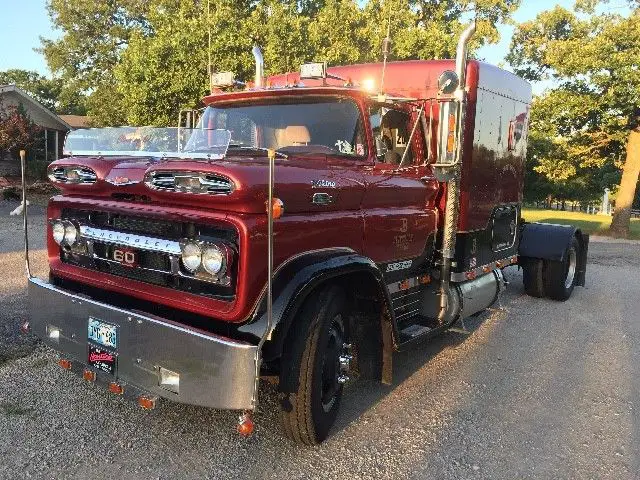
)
(103, 333)
(102, 359)
(125, 256)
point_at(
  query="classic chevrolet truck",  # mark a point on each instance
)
(303, 227)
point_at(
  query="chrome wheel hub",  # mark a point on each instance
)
(571, 268)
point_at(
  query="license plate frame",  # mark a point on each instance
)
(102, 333)
(102, 359)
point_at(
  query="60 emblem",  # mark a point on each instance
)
(126, 257)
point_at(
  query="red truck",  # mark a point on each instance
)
(303, 227)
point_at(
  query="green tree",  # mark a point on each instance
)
(141, 61)
(593, 111)
(94, 35)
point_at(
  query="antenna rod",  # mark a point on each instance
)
(386, 46)
(209, 44)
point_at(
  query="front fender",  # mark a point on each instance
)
(295, 280)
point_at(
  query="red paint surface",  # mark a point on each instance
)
(377, 211)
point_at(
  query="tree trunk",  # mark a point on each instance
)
(627, 189)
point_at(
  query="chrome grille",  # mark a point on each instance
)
(175, 182)
(61, 174)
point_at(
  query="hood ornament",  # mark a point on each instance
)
(121, 180)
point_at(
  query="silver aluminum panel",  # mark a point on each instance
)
(215, 371)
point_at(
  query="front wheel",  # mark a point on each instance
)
(560, 277)
(314, 367)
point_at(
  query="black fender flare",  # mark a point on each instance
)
(294, 280)
(549, 242)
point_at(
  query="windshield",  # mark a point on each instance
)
(311, 125)
(148, 141)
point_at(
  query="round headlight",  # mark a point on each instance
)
(58, 232)
(212, 260)
(191, 256)
(70, 234)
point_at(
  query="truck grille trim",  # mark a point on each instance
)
(157, 242)
(130, 240)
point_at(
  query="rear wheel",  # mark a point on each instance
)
(314, 367)
(560, 277)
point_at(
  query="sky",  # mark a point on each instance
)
(25, 21)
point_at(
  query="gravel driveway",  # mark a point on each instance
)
(539, 389)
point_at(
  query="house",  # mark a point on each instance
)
(54, 128)
(77, 121)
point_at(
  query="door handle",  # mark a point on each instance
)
(322, 198)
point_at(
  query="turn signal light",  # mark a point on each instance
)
(147, 403)
(471, 274)
(424, 279)
(245, 425)
(116, 388)
(486, 269)
(499, 264)
(277, 208)
(89, 375)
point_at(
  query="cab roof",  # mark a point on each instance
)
(417, 79)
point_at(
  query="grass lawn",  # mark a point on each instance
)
(593, 224)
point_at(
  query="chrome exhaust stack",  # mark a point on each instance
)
(257, 55)
(452, 209)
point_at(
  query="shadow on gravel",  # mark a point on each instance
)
(362, 395)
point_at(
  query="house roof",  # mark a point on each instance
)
(29, 101)
(77, 121)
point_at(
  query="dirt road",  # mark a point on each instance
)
(539, 389)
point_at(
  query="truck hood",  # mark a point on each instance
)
(296, 180)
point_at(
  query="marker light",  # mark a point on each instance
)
(191, 256)
(147, 403)
(66, 364)
(369, 84)
(245, 425)
(277, 208)
(89, 376)
(116, 388)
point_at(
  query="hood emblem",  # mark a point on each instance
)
(122, 181)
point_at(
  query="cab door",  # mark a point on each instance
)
(400, 218)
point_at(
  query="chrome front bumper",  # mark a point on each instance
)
(214, 371)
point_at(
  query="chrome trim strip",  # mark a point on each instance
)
(130, 240)
(504, 262)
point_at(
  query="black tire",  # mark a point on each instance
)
(310, 393)
(560, 277)
(532, 277)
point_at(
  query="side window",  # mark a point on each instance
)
(391, 134)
